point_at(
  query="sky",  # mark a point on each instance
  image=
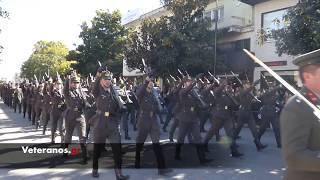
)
(52, 20)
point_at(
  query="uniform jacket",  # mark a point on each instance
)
(300, 135)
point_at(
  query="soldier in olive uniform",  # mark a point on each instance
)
(74, 117)
(148, 125)
(188, 120)
(29, 99)
(300, 128)
(33, 103)
(106, 122)
(47, 105)
(38, 104)
(17, 98)
(245, 114)
(269, 113)
(222, 116)
(58, 106)
(24, 88)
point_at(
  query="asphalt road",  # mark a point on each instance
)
(265, 165)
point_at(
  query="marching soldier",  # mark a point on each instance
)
(222, 116)
(90, 110)
(46, 105)
(245, 114)
(24, 88)
(269, 113)
(17, 98)
(300, 128)
(74, 118)
(148, 125)
(106, 122)
(188, 120)
(33, 102)
(29, 100)
(58, 107)
(38, 104)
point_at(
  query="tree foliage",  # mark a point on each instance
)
(46, 56)
(302, 31)
(3, 14)
(182, 40)
(104, 40)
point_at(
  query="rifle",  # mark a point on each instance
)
(315, 109)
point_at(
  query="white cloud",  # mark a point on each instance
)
(58, 20)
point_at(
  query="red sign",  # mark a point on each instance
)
(276, 63)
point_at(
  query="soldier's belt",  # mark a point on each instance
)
(105, 114)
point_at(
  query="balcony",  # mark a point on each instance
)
(253, 2)
(232, 17)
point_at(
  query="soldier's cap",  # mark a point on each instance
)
(106, 75)
(102, 68)
(311, 58)
(75, 78)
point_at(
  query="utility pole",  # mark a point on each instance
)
(215, 38)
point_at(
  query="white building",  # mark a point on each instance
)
(241, 22)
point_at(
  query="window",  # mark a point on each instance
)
(211, 14)
(273, 20)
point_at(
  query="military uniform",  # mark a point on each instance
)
(148, 125)
(189, 122)
(106, 123)
(47, 105)
(17, 98)
(74, 117)
(245, 115)
(56, 118)
(223, 117)
(24, 99)
(38, 105)
(269, 114)
(300, 129)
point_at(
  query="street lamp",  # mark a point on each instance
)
(215, 37)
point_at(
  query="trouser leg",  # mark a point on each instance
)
(276, 129)
(173, 128)
(159, 155)
(96, 155)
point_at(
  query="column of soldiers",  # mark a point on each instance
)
(97, 106)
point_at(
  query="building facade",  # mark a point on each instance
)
(241, 21)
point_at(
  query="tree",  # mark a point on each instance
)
(103, 41)
(47, 57)
(183, 40)
(301, 33)
(3, 14)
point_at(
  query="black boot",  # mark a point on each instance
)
(44, 130)
(234, 152)
(206, 147)
(95, 173)
(139, 147)
(162, 170)
(84, 153)
(259, 145)
(52, 138)
(178, 151)
(37, 125)
(201, 155)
